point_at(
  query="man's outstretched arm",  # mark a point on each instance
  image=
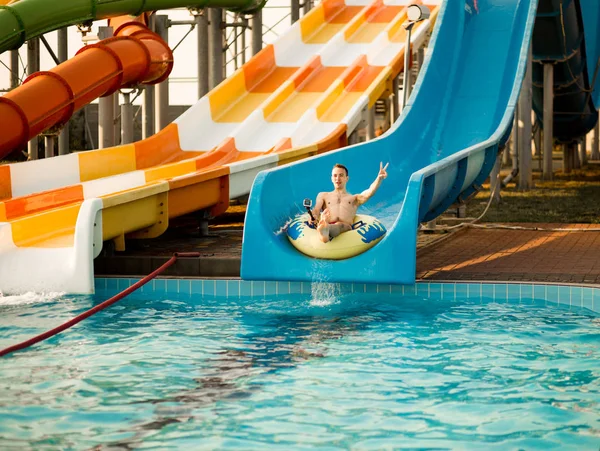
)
(367, 194)
(318, 206)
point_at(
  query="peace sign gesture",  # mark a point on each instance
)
(382, 171)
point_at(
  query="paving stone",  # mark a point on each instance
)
(516, 255)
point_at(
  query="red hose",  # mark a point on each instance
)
(99, 307)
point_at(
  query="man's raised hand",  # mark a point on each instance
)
(382, 171)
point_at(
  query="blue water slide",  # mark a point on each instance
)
(566, 35)
(442, 148)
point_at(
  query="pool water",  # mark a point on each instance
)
(361, 371)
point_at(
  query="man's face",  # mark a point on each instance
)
(339, 178)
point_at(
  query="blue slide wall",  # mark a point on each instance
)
(442, 147)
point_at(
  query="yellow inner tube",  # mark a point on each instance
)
(367, 231)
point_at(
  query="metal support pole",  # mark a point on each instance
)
(161, 91)
(596, 143)
(236, 48)
(203, 64)
(406, 83)
(420, 58)
(126, 119)
(33, 66)
(225, 45)
(353, 138)
(244, 30)
(514, 146)
(106, 132)
(575, 155)
(387, 121)
(371, 123)
(395, 99)
(215, 40)
(537, 142)
(88, 138)
(105, 122)
(203, 217)
(548, 120)
(295, 14)
(33, 56)
(307, 6)
(148, 112)
(567, 161)
(431, 225)
(495, 180)
(506, 160)
(63, 138)
(49, 144)
(14, 69)
(409, 84)
(256, 32)
(582, 152)
(525, 177)
(117, 118)
(148, 101)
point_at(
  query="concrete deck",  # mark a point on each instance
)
(466, 254)
(516, 255)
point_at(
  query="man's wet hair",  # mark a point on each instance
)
(341, 166)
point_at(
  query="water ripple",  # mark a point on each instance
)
(361, 372)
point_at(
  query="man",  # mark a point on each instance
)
(475, 6)
(339, 206)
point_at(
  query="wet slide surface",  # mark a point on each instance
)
(299, 97)
(442, 148)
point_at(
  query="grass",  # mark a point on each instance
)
(568, 198)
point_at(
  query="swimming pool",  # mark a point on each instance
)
(251, 365)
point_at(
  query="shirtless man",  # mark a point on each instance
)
(339, 206)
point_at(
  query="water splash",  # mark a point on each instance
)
(284, 227)
(324, 294)
(28, 298)
(296, 211)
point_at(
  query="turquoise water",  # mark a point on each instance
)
(315, 371)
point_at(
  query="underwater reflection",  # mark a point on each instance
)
(283, 342)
